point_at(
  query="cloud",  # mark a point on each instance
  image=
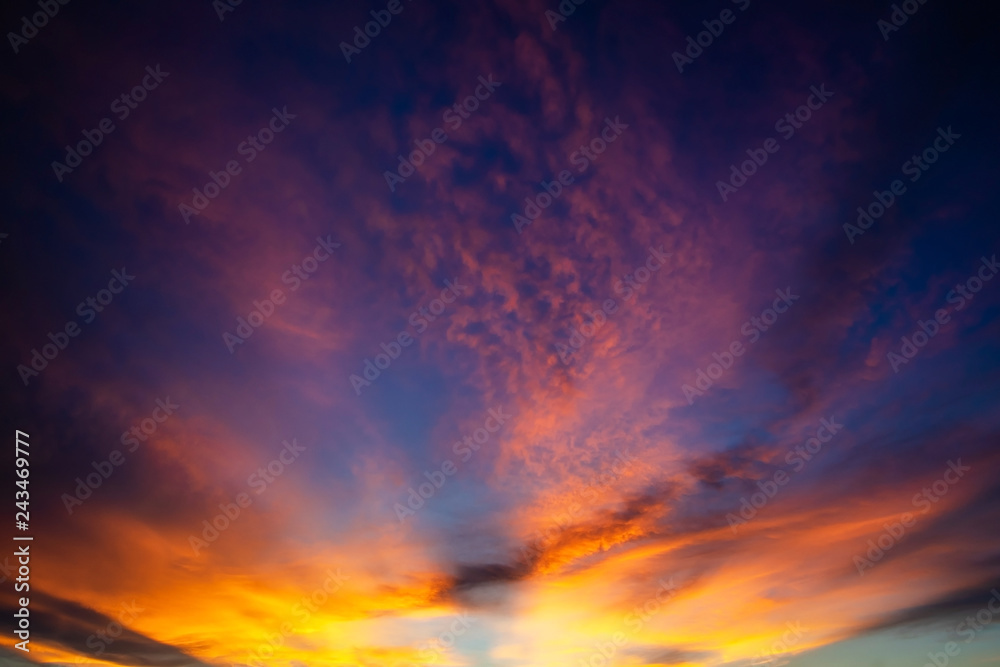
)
(73, 627)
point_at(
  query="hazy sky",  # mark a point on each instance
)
(509, 336)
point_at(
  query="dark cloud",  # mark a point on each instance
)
(941, 612)
(74, 627)
(670, 656)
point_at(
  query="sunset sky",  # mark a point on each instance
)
(518, 334)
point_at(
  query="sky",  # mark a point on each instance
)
(501, 334)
